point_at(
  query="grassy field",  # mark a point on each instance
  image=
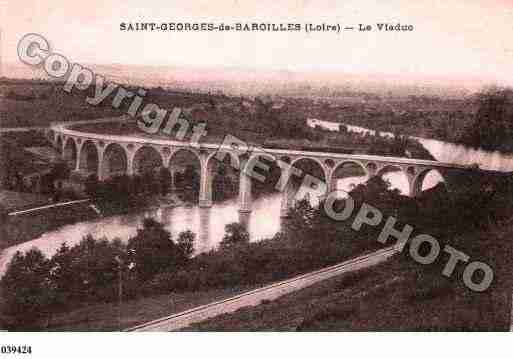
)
(289, 312)
(104, 317)
(377, 299)
(397, 295)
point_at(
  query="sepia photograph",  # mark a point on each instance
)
(286, 167)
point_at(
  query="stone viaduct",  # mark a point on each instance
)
(94, 153)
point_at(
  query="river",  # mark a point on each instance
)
(263, 222)
(459, 154)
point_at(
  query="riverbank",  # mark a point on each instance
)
(31, 225)
(26, 227)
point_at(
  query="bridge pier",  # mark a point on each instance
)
(172, 186)
(79, 154)
(287, 200)
(130, 155)
(286, 189)
(331, 181)
(245, 197)
(205, 195)
(101, 164)
(415, 186)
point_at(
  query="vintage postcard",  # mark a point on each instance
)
(248, 166)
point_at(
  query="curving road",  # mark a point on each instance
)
(255, 297)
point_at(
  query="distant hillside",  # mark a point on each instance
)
(238, 81)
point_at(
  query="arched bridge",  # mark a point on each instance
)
(108, 155)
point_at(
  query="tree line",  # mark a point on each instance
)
(123, 188)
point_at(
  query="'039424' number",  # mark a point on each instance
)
(15, 349)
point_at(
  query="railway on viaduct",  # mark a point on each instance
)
(108, 155)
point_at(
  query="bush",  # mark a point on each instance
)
(186, 245)
(152, 250)
(235, 234)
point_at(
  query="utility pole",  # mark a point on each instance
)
(120, 289)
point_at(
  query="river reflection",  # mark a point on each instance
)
(207, 223)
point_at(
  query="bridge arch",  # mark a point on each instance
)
(184, 151)
(313, 181)
(264, 169)
(426, 179)
(222, 171)
(70, 153)
(396, 176)
(347, 174)
(115, 161)
(322, 165)
(187, 172)
(89, 157)
(147, 159)
(260, 174)
(251, 164)
(227, 157)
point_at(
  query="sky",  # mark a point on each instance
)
(453, 39)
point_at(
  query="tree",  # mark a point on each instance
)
(186, 244)
(62, 274)
(165, 180)
(92, 186)
(235, 234)
(300, 219)
(492, 128)
(4, 220)
(189, 181)
(152, 250)
(378, 192)
(26, 288)
(190, 177)
(137, 184)
(222, 185)
(123, 186)
(60, 171)
(151, 182)
(87, 271)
